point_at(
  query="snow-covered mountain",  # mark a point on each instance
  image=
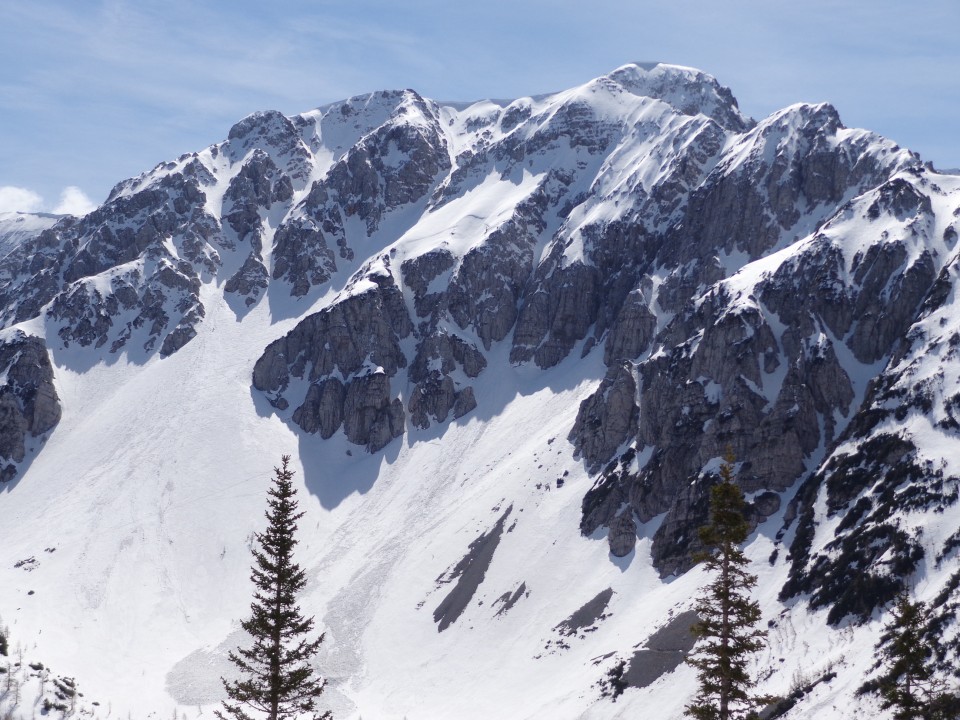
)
(15, 227)
(506, 344)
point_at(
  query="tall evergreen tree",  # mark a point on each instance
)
(727, 616)
(275, 674)
(906, 652)
(908, 659)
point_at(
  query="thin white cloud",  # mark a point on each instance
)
(18, 199)
(73, 201)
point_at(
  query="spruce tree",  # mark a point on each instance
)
(727, 616)
(906, 652)
(275, 674)
(907, 657)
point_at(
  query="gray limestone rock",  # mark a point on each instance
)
(361, 328)
(766, 504)
(676, 540)
(164, 302)
(396, 164)
(13, 427)
(663, 651)
(638, 266)
(607, 496)
(432, 398)
(250, 280)
(250, 190)
(489, 282)
(29, 405)
(632, 331)
(469, 573)
(508, 600)
(301, 255)
(370, 417)
(418, 275)
(322, 408)
(557, 315)
(463, 403)
(750, 200)
(130, 267)
(180, 336)
(607, 418)
(443, 352)
(586, 616)
(623, 534)
(393, 165)
(357, 339)
(272, 133)
(435, 394)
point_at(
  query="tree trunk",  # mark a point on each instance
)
(275, 658)
(725, 634)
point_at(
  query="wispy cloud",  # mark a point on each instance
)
(18, 199)
(73, 201)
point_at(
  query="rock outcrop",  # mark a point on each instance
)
(358, 341)
(29, 405)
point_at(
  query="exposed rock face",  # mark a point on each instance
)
(880, 468)
(756, 369)
(508, 600)
(357, 338)
(433, 398)
(322, 409)
(397, 164)
(587, 616)
(29, 405)
(632, 331)
(250, 280)
(362, 330)
(302, 256)
(623, 535)
(663, 651)
(486, 287)
(555, 318)
(164, 304)
(483, 293)
(464, 402)
(274, 135)
(420, 273)
(469, 573)
(609, 417)
(370, 416)
(249, 190)
(435, 393)
(129, 270)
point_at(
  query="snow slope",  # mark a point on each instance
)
(18, 226)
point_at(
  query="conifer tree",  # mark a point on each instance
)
(907, 657)
(275, 674)
(727, 616)
(906, 651)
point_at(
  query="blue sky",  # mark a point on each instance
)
(92, 92)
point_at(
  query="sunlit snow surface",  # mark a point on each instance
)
(140, 508)
(15, 227)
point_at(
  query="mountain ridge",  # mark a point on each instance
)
(608, 286)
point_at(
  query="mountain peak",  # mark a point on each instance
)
(689, 90)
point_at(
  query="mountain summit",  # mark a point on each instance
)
(507, 344)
